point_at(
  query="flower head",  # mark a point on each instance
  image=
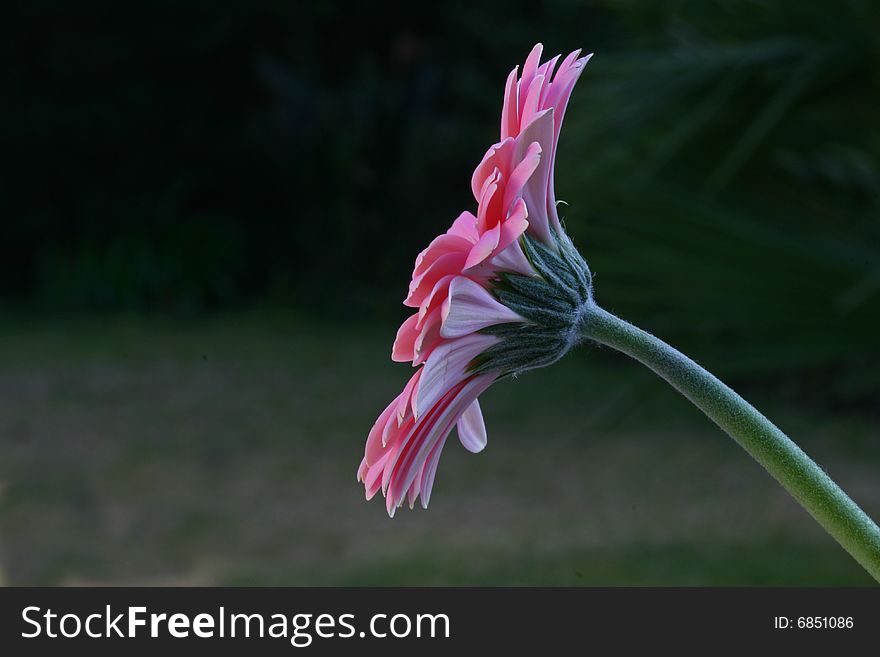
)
(499, 293)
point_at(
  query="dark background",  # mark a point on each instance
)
(210, 212)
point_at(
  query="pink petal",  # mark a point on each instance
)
(429, 471)
(566, 65)
(509, 111)
(470, 307)
(373, 477)
(375, 444)
(434, 299)
(409, 441)
(488, 210)
(405, 400)
(484, 248)
(536, 189)
(530, 68)
(433, 430)
(472, 428)
(399, 446)
(533, 100)
(446, 367)
(560, 97)
(515, 225)
(422, 285)
(563, 84)
(485, 170)
(546, 70)
(413, 493)
(521, 174)
(465, 226)
(495, 158)
(441, 245)
(512, 259)
(429, 336)
(404, 343)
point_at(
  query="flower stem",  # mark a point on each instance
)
(782, 458)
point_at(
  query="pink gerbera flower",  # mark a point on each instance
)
(500, 292)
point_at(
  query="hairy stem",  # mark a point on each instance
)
(782, 458)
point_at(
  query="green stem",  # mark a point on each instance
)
(789, 465)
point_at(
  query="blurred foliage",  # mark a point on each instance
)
(721, 159)
(734, 155)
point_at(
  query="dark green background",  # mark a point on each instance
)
(210, 212)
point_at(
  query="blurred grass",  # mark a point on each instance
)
(223, 451)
